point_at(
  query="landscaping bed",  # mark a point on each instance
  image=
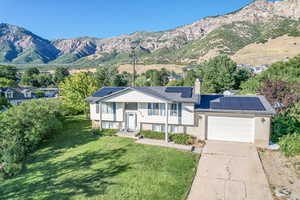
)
(78, 164)
(283, 174)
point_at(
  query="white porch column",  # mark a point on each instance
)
(100, 115)
(166, 123)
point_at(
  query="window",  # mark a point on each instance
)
(174, 109)
(156, 109)
(9, 94)
(158, 127)
(27, 94)
(173, 129)
(107, 108)
(161, 128)
(110, 125)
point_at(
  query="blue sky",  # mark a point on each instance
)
(106, 18)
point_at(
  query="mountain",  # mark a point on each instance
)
(258, 22)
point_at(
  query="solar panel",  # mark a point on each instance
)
(186, 92)
(238, 103)
(107, 91)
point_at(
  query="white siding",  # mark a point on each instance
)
(188, 114)
(133, 96)
(108, 116)
(93, 114)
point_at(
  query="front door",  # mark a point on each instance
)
(131, 121)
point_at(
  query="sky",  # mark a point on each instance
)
(54, 19)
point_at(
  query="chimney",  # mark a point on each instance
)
(197, 87)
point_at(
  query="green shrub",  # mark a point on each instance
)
(153, 134)
(23, 128)
(181, 138)
(290, 144)
(284, 124)
(12, 169)
(109, 132)
(96, 131)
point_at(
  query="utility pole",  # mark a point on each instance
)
(133, 55)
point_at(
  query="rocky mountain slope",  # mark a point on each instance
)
(255, 23)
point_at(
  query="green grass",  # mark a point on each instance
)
(75, 164)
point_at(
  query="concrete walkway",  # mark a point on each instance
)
(230, 171)
(162, 143)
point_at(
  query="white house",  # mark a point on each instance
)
(183, 110)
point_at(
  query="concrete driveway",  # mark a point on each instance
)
(230, 171)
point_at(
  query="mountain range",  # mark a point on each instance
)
(258, 23)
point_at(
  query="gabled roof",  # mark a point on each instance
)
(172, 94)
(234, 104)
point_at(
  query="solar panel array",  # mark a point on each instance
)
(107, 91)
(238, 103)
(186, 92)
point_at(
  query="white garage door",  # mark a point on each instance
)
(235, 129)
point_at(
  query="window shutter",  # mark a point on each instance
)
(114, 108)
(97, 108)
(149, 109)
(180, 110)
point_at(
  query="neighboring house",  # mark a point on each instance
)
(16, 96)
(50, 92)
(183, 110)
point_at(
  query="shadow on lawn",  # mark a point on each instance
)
(77, 175)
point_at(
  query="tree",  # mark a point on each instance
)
(60, 74)
(250, 86)
(8, 72)
(141, 81)
(74, 89)
(164, 76)
(190, 78)
(106, 75)
(4, 82)
(175, 83)
(4, 103)
(221, 73)
(122, 79)
(42, 80)
(29, 76)
(282, 95)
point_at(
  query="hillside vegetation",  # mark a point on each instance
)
(257, 22)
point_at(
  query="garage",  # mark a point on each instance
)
(234, 129)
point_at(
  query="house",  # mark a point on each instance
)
(18, 95)
(183, 110)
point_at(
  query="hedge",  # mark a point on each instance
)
(181, 138)
(153, 134)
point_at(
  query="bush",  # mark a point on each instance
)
(109, 132)
(97, 132)
(284, 124)
(23, 128)
(181, 138)
(153, 134)
(12, 169)
(290, 144)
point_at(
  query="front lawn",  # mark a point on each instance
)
(76, 164)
